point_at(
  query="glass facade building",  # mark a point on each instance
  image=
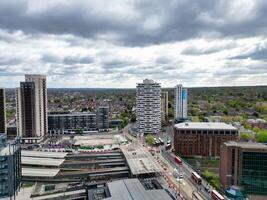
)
(244, 164)
(10, 167)
(254, 173)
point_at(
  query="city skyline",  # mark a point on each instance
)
(222, 43)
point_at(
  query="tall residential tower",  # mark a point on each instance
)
(148, 107)
(180, 102)
(164, 105)
(31, 99)
(2, 111)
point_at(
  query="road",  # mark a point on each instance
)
(186, 170)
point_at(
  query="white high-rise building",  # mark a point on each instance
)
(31, 100)
(148, 107)
(180, 102)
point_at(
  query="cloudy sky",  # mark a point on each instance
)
(117, 43)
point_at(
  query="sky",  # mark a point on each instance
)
(117, 43)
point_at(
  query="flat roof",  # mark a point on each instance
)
(133, 189)
(205, 126)
(41, 161)
(72, 114)
(39, 172)
(140, 160)
(43, 154)
(247, 145)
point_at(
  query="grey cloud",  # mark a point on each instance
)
(258, 54)
(68, 60)
(78, 59)
(153, 22)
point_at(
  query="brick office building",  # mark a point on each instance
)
(202, 138)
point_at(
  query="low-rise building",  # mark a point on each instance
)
(202, 138)
(10, 167)
(244, 164)
(67, 123)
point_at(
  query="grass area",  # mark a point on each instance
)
(212, 178)
(27, 184)
(208, 168)
(202, 164)
(150, 139)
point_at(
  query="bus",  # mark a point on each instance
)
(178, 160)
(195, 177)
(214, 195)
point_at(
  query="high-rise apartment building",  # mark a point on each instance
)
(180, 102)
(2, 111)
(10, 167)
(245, 165)
(148, 107)
(31, 99)
(103, 118)
(164, 105)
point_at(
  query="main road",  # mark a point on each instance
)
(168, 165)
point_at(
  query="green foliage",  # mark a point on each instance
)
(150, 139)
(245, 136)
(212, 178)
(170, 113)
(79, 131)
(100, 147)
(225, 111)
(262, 136)
(87, 147)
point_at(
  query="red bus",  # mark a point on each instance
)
(178, 160)
(195, 177)
(214, 195)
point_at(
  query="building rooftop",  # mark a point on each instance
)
(205, 126)
(140, 160)
(133, 189)
(39, 172)
(41, 161)
(247, 145)
(74, 114)
(42, 154)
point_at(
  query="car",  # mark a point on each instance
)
(181, 176)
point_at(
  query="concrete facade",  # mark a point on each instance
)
(31, 104)
(148, 107)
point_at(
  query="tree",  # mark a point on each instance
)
(262, 136)
(225, 111)
(150, 139)
(245, 136)
(79, 131)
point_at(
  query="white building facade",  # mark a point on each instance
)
(148, 107)
(180, 102)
